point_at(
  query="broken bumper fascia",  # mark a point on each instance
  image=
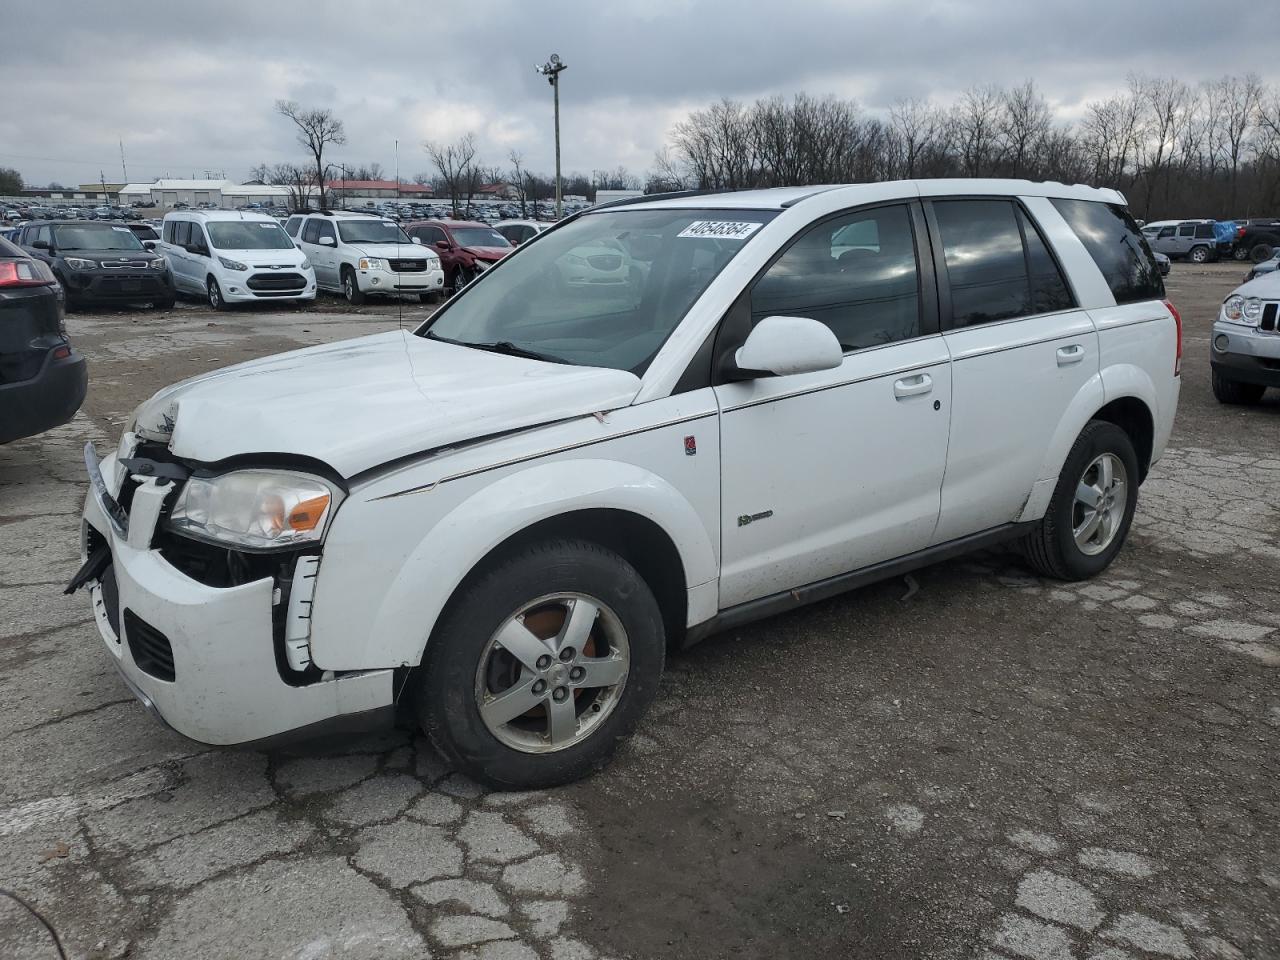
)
(227, 688)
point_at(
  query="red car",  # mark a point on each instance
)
(466, 248)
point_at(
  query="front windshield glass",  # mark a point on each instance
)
(605, 290)
(95, 236)
(371, 231)
(247, 235)
(478, 237)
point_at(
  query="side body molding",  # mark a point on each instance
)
(380, 606)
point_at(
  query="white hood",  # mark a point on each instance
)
(394, 251)
(1265, 287)
(360, 403)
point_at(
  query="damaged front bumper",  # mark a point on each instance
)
(202, 658)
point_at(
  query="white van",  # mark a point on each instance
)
(231, 256)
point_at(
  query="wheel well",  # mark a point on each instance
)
(1132, 416)
(640, 541)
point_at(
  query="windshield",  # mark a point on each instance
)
(605, 290)
(95, 236)
(371, 231)
(247, 235)
(478, 237)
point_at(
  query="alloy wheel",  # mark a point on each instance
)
(552, 673)
(1102, 496)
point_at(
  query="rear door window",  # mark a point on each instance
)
(986, 265)
(181, 233)
(1204, 231)
(1117, 247)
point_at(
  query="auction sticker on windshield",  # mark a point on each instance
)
(720, 229)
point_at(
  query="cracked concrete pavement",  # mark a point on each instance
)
(993, 765)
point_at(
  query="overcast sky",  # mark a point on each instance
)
(190, 87)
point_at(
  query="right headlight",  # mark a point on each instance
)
(232, 264)
(1233, 308)
(79, 263)
(372, 263)
(256, 509)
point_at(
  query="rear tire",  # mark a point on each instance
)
(1054, 547)
(1234, 392)
(432, 297)
(463, 670)
(351, 288)
(1261, 252)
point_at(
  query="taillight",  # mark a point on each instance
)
(61, 353)
(1240, 231)
(24, 273)
(1177, 320)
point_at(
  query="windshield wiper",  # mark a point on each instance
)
(505, 347)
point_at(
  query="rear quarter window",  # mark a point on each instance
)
(1117, 247)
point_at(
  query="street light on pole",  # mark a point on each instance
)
(551, 70)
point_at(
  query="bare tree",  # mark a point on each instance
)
(1022, 128)
(917, 128)
(1240, 98)
(517, 178)
(457, 166)
(317, 129)
(977, 117)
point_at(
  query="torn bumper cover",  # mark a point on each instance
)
(200, 658)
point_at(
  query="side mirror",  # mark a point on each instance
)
(442, 244)
(417, 240)
(150, 245)
(782, 346)
(327, 242)
(41, 245)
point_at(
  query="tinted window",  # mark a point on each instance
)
(1204, 231)
(1117, 247)
(167, 231)
(1186, 229)
(181, 233)
(1049, 289)
(311, 232)
(857, 274)
(986, 267)
(292, 226)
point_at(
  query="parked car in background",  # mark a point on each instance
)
(518, 231)
(144, 232)
(1259, 240)
(1163, 263)
(466, 248)
(359, 255)
(501, 520)
(1195, 240)
(1245, 351)
(228, 257)
(100, 263)
(1265, 267)
(42, 377)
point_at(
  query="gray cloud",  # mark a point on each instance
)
(190, 87)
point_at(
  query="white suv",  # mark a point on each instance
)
(230, 257)
(358, 255)
(503, 518)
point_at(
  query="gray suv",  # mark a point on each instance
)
(1191, 239)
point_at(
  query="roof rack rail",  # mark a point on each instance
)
(672, 195)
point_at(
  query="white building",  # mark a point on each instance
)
(226, 194)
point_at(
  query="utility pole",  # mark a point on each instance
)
(123, 169)
(102, 179)
(551, 70)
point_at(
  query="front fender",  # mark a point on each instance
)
(354, 631)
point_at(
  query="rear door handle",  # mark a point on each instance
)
(1068, 355)
(913, 386)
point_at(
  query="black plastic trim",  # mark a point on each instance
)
(823, 589)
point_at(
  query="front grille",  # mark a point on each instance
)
(130, 283)
(1268, 318)
(150, 648)
(407, 266)
(268, 282)
(123, 264)
(605, 261)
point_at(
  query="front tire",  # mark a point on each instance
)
(1240, 253)
(168, 303)
(214, 293)
(351, 288)
(1234, 392)
(1092, 506)
(1199, 255)
(541, 665)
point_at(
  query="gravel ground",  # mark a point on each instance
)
(972, 762)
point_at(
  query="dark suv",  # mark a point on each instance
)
(103, 262)
(42, 378)
(466, 248)
(1258, 240)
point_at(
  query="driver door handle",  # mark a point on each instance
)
(916, 385)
